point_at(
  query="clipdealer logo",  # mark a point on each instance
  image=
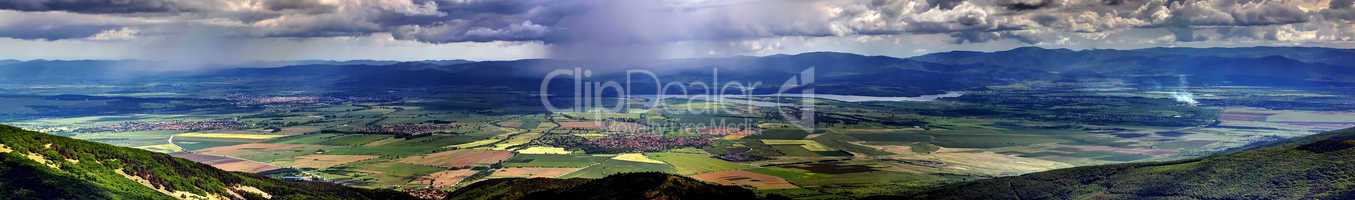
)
(590, 96)
(801, 115)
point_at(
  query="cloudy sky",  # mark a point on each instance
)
(236, 30)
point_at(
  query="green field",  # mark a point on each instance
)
(193, 145)
(610, 166)
(552, 161)
(793, 150)
(692, 163)
(304, 139)
(352, 139)
(436, 140)
(390, 173)
(129, 139)
(840, 142)
(780, 134)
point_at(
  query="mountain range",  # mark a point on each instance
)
(837, 73)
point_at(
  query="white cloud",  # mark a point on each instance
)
(123, 33)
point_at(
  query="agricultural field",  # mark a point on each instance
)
(544, 150)
(447, 139)
(129, 139)
(694, 163)
(444, 179)
(806, 144)
(456, 159)
(531, 172)
(553, 161)
(746, 179)
(606, 167)
(325, 161)
(194, 144)
(227, 163)
(242, 136)
(636, 157)
(162, 148)
(263, 152)
(387, 174)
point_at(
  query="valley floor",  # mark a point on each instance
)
(859, 148)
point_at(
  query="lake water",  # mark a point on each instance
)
(859, 98)
(847, 98)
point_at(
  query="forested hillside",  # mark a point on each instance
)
(41, 166)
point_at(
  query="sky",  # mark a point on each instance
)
(227, 31)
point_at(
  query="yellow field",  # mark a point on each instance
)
(807, 144)
(544, 150)
(475, 143)
(531, 172)
(636, 157)
(248, 136)
(516, 140)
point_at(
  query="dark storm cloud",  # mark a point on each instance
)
(58, 25)
(161, 6)
(1341, 4)
(303, 5)
(945, 4)
(1236, 13)
(641, 24)
(1023, 5)
(92, 6)
(1340, 10)
(23, 31)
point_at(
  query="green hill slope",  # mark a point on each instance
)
(41, 166)
(619, 186)
(1315, 167)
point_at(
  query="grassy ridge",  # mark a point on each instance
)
(54, 167)
(1315, 167)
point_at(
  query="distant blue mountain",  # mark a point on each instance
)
(840, 73)
(1259, 66)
